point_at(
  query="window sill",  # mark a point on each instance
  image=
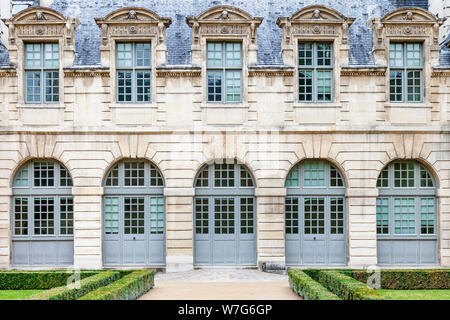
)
(317, 105)
(41, 106)
(239, 105)
(407, 105)
(137, 105)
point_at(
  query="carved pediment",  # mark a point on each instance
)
(37, 15)
(223, 15)
(314, 14)
(131, 15)
(410, 15)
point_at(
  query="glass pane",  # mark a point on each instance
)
(143, 86)
(33, 86)
(202, 179)
(22, 177)
(214, 86)
(291, 209)
(335, 177)
(233, 86)
(305, 85)
(124, 86)
(156, 215)
(396, 86)
(112, 180)
(233, 55)
(337, 215)
(156, 179)
(324, 54)
(224, 215)
(143, 55)
(214, 55)
(314, 173)
(413, 54)
(44, 174)
(134, 213)
(247, 215)
(396, 54)
(292, 178)
(427, 214)
(324, 80)
(44, 216)
(224, 175)
(111, 215)
(382, 216)
(51, 55)
(404, 215)
(134, 173)
(305, 54)
(32, 55)
(52, 86)
(246, 178)
(66, 216)
(414, 86)
(404, 174)
(425, 178)
(383, 179)
(314, 219)
(124, 55)
(65, 179)
(21, 216)
(201, 215)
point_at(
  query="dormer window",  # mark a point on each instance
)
(405, 61)
(224, 69)
(134, 75)
(42, 72)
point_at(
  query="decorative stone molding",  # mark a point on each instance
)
(438, 73)
(42, 24)
(224, 22)
(270, 73)
(133, 24)
(90, 73)
(178, 73)
(8, 73)
(363, 72)
(406, 24)
(315, 23)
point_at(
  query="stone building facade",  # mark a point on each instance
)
(301, 162)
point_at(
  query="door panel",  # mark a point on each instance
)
(225, 231)
(315, 230)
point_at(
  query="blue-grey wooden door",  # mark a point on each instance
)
(224, 232)
(134, 231)
(315, 230)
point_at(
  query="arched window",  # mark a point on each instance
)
(224, 216)
(406, 215)
(42, 222)
(133, 215)
(315, 215)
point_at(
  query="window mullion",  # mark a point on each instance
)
(224, 73)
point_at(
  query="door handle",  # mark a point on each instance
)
(314, 238)
(134, 238)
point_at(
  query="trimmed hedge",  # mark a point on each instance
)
(308, 288)
(72, 293)
(344, 286)
(409, 279)
(37, 280)
(130, 287)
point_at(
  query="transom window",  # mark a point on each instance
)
(224, 72)
(406, 72)
(314, 173)
(315, 72)
(42, 72)
(133, 64)
(42, 202)
(134, 174)
(406, 202)
(224, 176)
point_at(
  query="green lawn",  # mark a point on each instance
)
(442, 294)
(17, 294)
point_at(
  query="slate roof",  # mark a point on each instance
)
(179, 33)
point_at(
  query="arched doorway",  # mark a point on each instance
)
(406, 215)
(134, 215)
(42, 219)
(315, 215)
(224, 216)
